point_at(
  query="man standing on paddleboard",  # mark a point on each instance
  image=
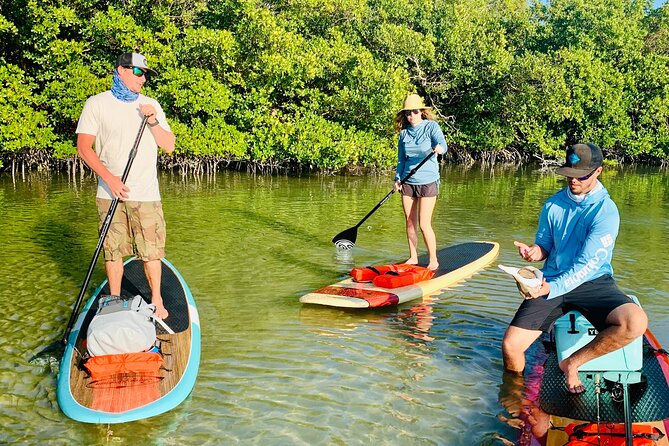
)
(577, 231)
(111, 121)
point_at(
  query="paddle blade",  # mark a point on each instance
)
(55, 347)
(346, 239)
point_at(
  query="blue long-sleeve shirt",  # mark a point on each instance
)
(414, 144)
(579, 238)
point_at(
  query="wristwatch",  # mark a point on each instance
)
(154, 124)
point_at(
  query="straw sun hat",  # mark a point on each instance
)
(413, 102)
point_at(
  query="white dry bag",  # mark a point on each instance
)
(121, 325)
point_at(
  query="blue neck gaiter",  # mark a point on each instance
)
(120, 91)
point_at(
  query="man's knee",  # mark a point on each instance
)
(638, 323)
(631, 318)
(515, 340)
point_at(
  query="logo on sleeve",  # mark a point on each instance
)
(607, 240)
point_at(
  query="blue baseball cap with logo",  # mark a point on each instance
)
(581, 160)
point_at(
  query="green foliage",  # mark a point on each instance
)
(535, 104)
(466, 79)
(7, 27)
(315, 84)
(207, 49)
(215, 139)
(318, 143)
(567, 96)
(611, 29)
(22, 126)
(191, 93)
(66, 93)
(648, 109)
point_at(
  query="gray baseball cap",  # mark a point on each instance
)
(133, 60)
(581, 159)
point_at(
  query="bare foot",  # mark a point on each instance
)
(539, 420)
(513, 422)
(574, 384)
(411, 261)
(433, 266)
(161, 311)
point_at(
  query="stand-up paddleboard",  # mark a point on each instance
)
(603, 400)
(127, 398)
(455, 264)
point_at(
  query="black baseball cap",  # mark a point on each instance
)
(581, 160)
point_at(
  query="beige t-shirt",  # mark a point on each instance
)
(115, 124)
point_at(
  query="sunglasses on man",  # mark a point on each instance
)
(136, 71)
(585, 177)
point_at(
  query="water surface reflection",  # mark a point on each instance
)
(274, 371)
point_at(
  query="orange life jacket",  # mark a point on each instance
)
(611, 434)
(142, 363)
(392, 276)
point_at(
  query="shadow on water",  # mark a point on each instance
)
(62, 242)
(280, 227)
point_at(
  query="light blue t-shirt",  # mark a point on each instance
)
(579, 238)
(414, 144)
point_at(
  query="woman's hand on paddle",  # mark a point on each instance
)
(438, 149)
(532, 253)
(397, 186)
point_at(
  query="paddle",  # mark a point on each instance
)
(346, 239)
(103, 232)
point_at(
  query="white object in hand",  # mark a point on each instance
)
(529, 278)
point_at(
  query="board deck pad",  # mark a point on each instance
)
(457, 256)
(650, 399)
(135, 283)
(549, 408)
(128, 397)
(456, 263)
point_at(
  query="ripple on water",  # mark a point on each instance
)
(274, 371)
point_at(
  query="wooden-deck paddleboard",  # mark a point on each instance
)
(455, 264)
(126, 398)
(555, 408)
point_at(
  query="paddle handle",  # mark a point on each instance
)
(103, 232)
(389, 194)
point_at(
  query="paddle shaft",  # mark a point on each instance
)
(627, 408)
(103, 232)
(402, 181)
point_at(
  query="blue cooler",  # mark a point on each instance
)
(573, 331)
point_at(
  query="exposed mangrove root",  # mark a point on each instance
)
(76, 169)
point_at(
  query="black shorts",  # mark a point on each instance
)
(420, 190)
(594, 300)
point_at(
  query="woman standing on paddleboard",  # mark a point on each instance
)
(420, 135)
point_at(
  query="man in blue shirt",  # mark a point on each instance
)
(577, 231)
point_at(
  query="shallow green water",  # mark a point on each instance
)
(274, 372)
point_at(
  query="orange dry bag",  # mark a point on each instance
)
(392, 276)
(407, 275)
(104, 366)
(611, 434)
(367, 273)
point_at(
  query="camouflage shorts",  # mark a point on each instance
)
(138, 227)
